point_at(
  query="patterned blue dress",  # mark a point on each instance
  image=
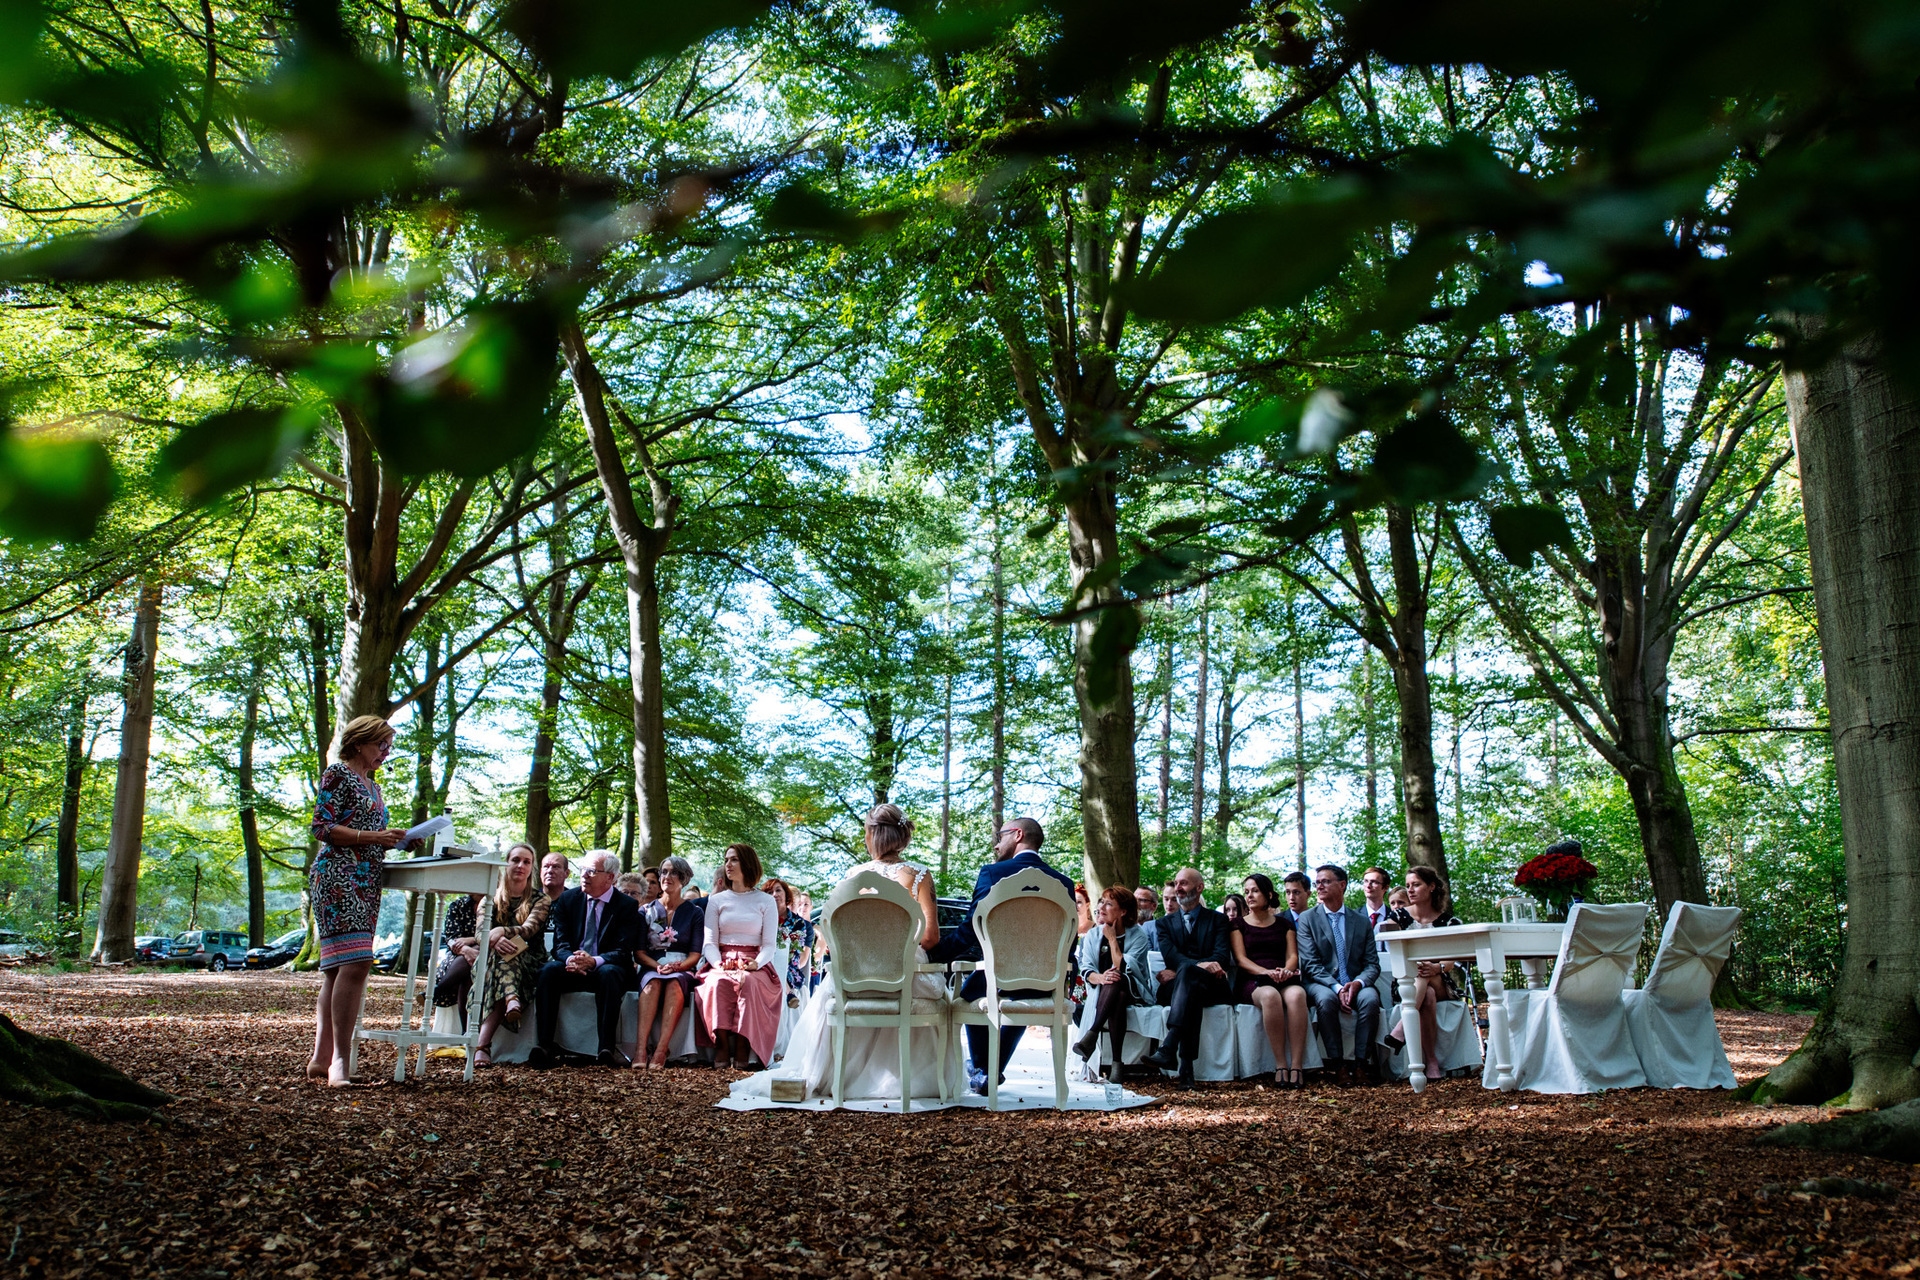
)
(345, 885)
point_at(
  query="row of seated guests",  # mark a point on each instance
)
(717, 951)
(1257, 952)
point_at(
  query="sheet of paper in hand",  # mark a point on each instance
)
(429, 829)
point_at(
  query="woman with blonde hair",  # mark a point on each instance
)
(350, 823)
(872, 1055)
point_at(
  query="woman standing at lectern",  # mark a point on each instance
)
(350, 822)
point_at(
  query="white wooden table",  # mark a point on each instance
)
(466, 871)
(1490, 946)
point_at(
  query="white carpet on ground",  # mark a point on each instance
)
(1028, 1087)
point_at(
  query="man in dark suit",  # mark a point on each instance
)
(596, 932)
(1196, 948)
(1299, 894)
(1016, 848)
(1341, 966)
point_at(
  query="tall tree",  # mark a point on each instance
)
(120, 878)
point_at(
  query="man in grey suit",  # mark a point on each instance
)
(1337, 956)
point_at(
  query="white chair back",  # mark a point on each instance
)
(1025, 924)
(872, 926)
(1597, 953)
(1693, 949)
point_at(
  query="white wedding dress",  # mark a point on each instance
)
(873, 1053)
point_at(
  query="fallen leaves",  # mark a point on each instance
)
(635, 1174)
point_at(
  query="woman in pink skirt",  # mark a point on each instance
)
(740, 991)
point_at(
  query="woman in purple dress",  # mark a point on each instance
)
(1266, 952)
(350, 822)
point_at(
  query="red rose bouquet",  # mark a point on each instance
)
(1556, 876)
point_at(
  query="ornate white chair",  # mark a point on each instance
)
(1025, 925)
(1671, 1018)
(873, 927)
(1572, 1037)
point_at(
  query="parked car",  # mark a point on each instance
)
(14, 944)
(152, 948)
(208, 949)
(387, 958)
(278, 952)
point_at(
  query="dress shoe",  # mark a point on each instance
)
(1084, 1047)
(616, 1059)
(1166, 1058)
(541, 1057)
(977, 1082)
(1185, 1079)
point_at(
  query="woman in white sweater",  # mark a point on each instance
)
(740, 991)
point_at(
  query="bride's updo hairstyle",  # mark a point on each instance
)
(888, 830)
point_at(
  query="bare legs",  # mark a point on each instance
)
(1283, 1015)
(1430, 1028)
(669, 1007)
(334, 1015)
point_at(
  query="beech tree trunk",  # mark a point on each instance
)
(1857, 434)
(1197, 838)
(66, 845)
(1109, 783)
(249, 817)
(120, 878)
(320, 706)
(998, 803)
(1166, 740)
(1411, 681)
(643, 540)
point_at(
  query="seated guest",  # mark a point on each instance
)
(1234, 908)
(1016, 848)
(520, 911)
(1082, 910)
(454, 981)
(796, 939)
(1298, 891)
(1397, 901)
(597, 934)
(634, 885)
(553, 883)
(1374, 884)
(1430, 906)
(740, 991)
(1266, 952)
(653, 886)
(676, 934)
(1147, 903)
(1113, 956)
(1166, 899)
(1195, 949)
(1341, 966)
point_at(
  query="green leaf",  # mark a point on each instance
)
(1114, 637)
(1520, 531)
(612, 37)
(1043, 529)
(21, 22)
(1263, 255)
(1428, 459)
(800, 210)
(227, 450)
(1099, 38)
(471, 397)
(53, 487)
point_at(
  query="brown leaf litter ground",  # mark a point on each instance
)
(592, 1172)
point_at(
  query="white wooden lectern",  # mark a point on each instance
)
(454, 871)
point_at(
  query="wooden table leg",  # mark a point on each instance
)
(1410, 1019)
(1493, 968)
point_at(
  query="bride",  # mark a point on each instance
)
(872, 1053)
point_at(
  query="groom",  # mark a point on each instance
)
(1017, 848)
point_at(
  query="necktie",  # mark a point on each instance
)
(1340, 945)
(592, 946)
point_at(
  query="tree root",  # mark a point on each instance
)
(43, 1072)
(1893, 1134)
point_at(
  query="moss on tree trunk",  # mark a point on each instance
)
(43, 1072)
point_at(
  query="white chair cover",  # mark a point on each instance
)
(577, 1030)
(1025, 925)
(1671, 1018)
(1573, 1037)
